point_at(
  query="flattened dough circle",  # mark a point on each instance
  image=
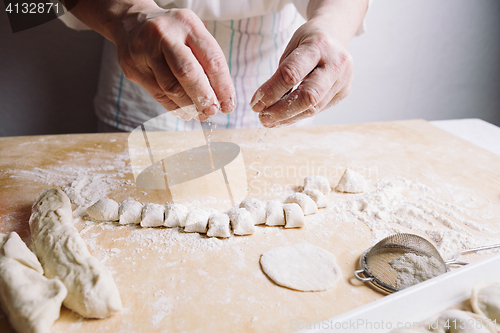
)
(301, 267)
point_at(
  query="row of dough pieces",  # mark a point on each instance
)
(251, 212)
(485, 302)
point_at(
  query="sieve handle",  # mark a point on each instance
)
(358, 276)
(454, 261)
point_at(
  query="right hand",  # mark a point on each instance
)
(173, 56)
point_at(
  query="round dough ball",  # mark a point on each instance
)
(301, 267)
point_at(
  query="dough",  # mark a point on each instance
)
(153, 215)
(218, 226)
(301, 267)
(275, 215)
(318, 197)
(175, 215)
(241, 221)
(197, 221)
(457, 321)
(256, 208)
(294, 216)
(104, 210)
(30, 300)
(304, 201)
(352, 182)
(63, 254)
(319, 183)
(485, 300)
(130, 212)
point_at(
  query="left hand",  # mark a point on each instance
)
(321, 66)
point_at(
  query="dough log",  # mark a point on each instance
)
(92, 291)
(30, 300)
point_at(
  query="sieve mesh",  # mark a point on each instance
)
(375, 261)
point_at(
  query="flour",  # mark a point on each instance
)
(400, 205)
(392, 205)
(413, 268)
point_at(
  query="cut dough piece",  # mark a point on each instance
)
(319, 183)
(104, 210)
(175, 215)
(457, 321)
(275, 215)
(241, 221)
(256, 208)
(153, 215)
(63, 254)
(197, 221)
(352, 182)
(130, 212)
(304, 201)
(318, 197)
(485, 300)
(301, 267)
(30, 300)
(218, 226)
(294, 216)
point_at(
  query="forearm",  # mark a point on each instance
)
(343, 17)
(107, 17)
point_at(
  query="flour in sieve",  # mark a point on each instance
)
(413, 268)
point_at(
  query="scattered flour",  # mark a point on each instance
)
(392, 205)
(413, 268)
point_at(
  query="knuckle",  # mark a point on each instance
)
(289, 74)
(174, 90)
(186, 16)
(311, 97)
(215, 64)
(184, 71)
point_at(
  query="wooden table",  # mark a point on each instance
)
(172, 281)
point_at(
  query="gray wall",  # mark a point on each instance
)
(48, 77)
(431, 59)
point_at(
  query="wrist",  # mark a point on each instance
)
(122, 19)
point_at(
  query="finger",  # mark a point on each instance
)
(167, 81)
(313, 90)
(191, 77)
(147, 80)
(211, 58)
(289, 73)
(337, 98)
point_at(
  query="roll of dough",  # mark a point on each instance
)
(63, 254)
(30, 300)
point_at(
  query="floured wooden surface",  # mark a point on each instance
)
(173, 281)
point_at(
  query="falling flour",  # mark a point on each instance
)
(413, 268)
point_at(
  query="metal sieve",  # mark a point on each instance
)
(374, 262)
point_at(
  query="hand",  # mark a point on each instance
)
(172, 55)
(319, 64)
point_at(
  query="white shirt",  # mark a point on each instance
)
(252, 34)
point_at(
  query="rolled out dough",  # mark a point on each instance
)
(302, 267)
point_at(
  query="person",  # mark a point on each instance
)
(218, 60)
